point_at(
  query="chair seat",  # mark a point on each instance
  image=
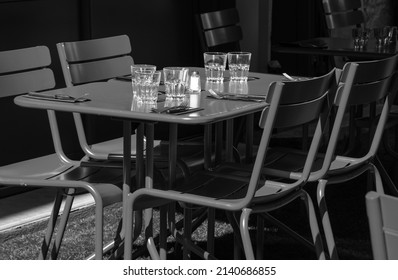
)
(229, 182)
(43, 167)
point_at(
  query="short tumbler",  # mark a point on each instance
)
(239, 65)
(215, 63)
(147, 84)
(175, 81)
(139, 67)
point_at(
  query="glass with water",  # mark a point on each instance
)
(239, 65)
(147, 84)
(215, 63)
(139, 67)
(175, 81)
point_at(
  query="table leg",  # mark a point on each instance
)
(229, 140)
(149, 128)
(249, 137)
(219, 142)
(207, 146)
(126, 164)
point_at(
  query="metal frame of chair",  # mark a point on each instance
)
(247, 191)
(383, 225)
(360, 83)
(343, 13)
(25, 70)
(92, 61)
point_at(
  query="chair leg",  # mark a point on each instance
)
(187, 232)
(99, 225)
(62, 226)
(324, 215)
(260, 238)
(51, 225)
(237, 238)
(163, 232)
(316, 234)
(244, 231)
(211, 220)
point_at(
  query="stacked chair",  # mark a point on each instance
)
(238, 188)
(26, 70)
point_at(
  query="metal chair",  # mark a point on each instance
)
(26, 70)
(105, 59)
(219, 30)
(92, 61)
(343, 14)
(239, 188)
(383, 224)
(360, 83)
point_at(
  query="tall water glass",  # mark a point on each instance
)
(143, 84)
(381, 37)
(215, 63)
(139, 67)
(391, 35)
(239, 65)
(175, 81)
(151, 89)
(360, 37)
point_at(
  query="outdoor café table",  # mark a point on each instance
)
(333, 46)
(114, 99)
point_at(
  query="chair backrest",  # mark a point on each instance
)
(291, 104)
(219, 30)
(383, 224)
(25, 70)
(92, 61)
(361, 83)
(343, 13)
(95, 60)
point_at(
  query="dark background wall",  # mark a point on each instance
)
(162, 32)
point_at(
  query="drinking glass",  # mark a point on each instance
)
(391, 33)
(175, 81)
(360, 37)
(139, 67)
(150, 92)
(215, 63)
(380, 34)
(143, 81)
(238, 65)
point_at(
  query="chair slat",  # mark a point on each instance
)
(333, 6)
(340, 20)
(100, 70)
(36, 80)
(224, 35)
(218, 19)
(24, 59)
(88, 50)
(301, 101)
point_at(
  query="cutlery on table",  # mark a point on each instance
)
(240, 97)
(177, 110)
(58, 97)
